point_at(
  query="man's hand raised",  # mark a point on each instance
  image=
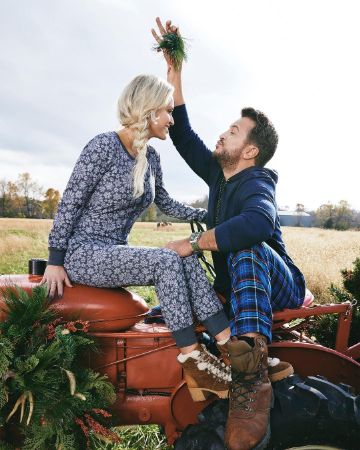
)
(158, 35)
(173, 74)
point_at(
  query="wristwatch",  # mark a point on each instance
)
(194, 239)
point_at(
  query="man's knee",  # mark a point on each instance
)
(240, 256)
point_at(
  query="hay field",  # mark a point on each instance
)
(320, 254)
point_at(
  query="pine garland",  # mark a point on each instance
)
(53, 401)
(174, 45)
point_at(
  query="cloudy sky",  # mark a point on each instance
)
(63, 64)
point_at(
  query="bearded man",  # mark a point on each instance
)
(253, 269)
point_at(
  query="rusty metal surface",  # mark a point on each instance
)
(184, 410)
(105, 309)
(354, 351)
(313, 359)
(290, 314)
(142, 409)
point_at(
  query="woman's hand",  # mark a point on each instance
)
(169, 28)
(55, 277)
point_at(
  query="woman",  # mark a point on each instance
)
(115, 179)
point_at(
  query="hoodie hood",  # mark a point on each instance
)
(258, 172)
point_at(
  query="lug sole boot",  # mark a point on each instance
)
(277, 370)
(205, 374)
(248, 423)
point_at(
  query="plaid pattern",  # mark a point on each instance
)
(260, 282)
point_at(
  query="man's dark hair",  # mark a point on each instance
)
(263, 135)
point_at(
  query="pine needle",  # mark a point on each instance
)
(174, 46)
(32, 366)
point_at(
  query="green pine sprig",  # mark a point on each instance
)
(44, 388)
(175, 47)
(27, 313)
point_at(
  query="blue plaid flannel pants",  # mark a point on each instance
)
(261, 282)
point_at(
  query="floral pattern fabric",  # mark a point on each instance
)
(181, 284)
(98, 203)
(93, 221)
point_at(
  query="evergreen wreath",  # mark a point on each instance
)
(52, 399)
(174, 45)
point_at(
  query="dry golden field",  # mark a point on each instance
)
(320, 254)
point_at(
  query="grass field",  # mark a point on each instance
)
(320, 254)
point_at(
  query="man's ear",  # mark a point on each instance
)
(251, 152)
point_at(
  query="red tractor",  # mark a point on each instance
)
(318, 405)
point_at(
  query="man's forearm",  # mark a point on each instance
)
(174, 78)
(184, 247)
(207, 241)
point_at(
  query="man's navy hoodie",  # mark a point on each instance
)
(242, 209)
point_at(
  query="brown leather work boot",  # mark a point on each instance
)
(248, 425)
(205, 374)
(277, 370)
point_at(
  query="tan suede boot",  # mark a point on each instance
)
(277, 370)
(205, 374)
(224, 353)
(248, 424)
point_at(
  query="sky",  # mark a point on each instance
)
(64, 63)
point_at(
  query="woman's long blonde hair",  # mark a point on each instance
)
(137, 106)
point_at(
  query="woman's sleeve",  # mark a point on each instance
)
(171, 207)
(93, 162)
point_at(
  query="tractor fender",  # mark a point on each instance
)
(106, 309)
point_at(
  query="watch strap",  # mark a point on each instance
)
(194, 241)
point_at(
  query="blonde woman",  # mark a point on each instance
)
(117, 176)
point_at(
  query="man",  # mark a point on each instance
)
(253, 270)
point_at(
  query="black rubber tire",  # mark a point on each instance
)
(312, 411)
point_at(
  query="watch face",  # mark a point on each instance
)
(194, 237)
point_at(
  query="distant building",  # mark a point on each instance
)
(295, 219)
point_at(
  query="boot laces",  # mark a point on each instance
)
(241, 388)
(213, 366)
(244, 384)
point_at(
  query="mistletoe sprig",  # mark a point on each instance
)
(52, 399)
(175, 47)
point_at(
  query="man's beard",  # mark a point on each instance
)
(226, 160)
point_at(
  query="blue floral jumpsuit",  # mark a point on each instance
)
(90, 237)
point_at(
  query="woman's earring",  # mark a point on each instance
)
(153, 118)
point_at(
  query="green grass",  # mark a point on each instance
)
(140, 437)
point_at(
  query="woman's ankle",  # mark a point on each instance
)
(188, 348)
(223, 336)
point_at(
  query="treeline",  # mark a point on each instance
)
(25, 198)
(153, 213)
(330, 216)
(336, 216)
